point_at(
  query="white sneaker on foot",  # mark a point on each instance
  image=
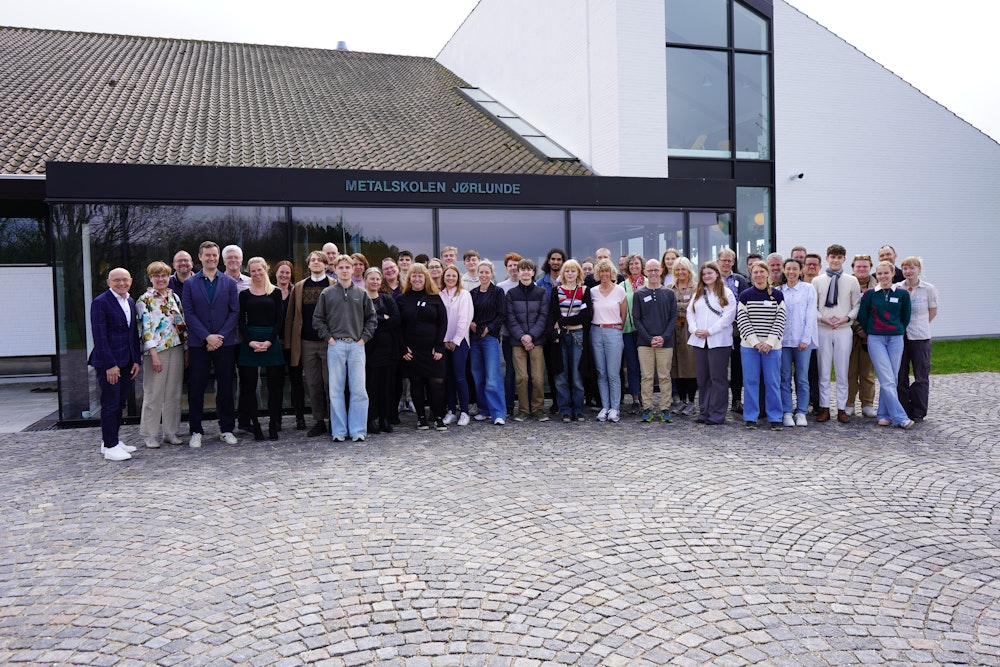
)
(787, 419)
(499, 422)
(613, 416)
(360, 437)
(228, 438)
(195, 441)
(800, 419)
(602, 416)
(849, 410)
(449, 417)
(480, 417)
(868, 411)
(463, 419)
(116, 453)
(128, 448)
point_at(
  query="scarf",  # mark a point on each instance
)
(831, 294)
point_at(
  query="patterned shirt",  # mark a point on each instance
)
(161, 320)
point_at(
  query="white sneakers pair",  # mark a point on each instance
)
(226, 437)
(608, 415)
(120, 452)
(463, 418)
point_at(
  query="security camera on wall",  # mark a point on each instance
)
(793, 177)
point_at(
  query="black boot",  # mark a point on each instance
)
(319, 428)
(385, 426)
(300, 423)
(257, 433)
(272, 429)
(373, 427)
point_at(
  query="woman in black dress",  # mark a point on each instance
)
(382, 354)
(425, 323)
(262, 316)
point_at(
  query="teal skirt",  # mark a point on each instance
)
(273, 357)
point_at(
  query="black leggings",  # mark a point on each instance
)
(248, 392)
(686, 388)
(380, 382)
(432, 388)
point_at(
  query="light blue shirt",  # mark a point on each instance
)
(800, 315)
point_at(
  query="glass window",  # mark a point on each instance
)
(749, 29)
(753, 107)
(22, 241)
(374, 232)
(753, 222)
(647, 233)
(710, 233)
(701, 22)
(697, 103)
(494, 233)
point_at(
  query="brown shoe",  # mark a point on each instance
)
(824, 415)
(843, 417)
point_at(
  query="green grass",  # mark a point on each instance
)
(972, 355)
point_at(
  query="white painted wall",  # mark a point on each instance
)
(591, 75)
(883, 163)
(27, 300)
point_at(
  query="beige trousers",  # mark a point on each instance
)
(655, 361)
(161, 395)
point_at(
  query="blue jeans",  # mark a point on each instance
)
(456, 389)
(569, 383)
(633, 373)
(886, 353)
(755, 363)
(346, 364)
(488, 375)
(800, 359)
(607, 346)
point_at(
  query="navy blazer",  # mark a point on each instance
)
(116, 342)
(204, 318)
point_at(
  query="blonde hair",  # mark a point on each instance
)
(268, 287)
(684, 263)
(605, 265)
(157, 268)
(418, 267)
(458, 276)
(571, 264)
(913, 261)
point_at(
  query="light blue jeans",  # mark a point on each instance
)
(608, 346)
(569, 383)
(886, 353)
(488, 375)
(346, 363)
(754, 364)
(793, 356)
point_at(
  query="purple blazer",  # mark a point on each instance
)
(204, 318)
(116, 342)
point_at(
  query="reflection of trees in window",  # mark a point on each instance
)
(22, 241)
(350, 238)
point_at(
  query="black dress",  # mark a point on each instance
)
(425, 323)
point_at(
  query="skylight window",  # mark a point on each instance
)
(517, 126)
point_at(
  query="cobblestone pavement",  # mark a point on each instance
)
(529, 544)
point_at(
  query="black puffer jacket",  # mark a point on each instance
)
(527, 313)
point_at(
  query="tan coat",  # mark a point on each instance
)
(293, 322)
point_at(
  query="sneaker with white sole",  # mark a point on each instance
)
(787, 419)
(195, 442)
(228, 438)
(602, 416)
(480, 417)
(613, 416)
(449, 417)
(463, 419)
(499, 422)
(116, 453)
(800, 419)
(360, 437)
(849, 410)
(868, 411)
(128, 448)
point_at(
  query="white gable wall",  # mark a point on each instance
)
(590, 75)
(883, 163)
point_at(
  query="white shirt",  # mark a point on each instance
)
(123, 302)
(800, 315)
(719, 327)
(923, 297)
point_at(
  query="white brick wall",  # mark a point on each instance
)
(883, 163)
(26, 300)
(591, 75)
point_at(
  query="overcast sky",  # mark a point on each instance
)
(944, 49)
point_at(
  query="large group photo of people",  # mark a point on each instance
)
(457, 340)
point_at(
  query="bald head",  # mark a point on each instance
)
(119, 281)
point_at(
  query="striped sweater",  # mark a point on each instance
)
(760, 317)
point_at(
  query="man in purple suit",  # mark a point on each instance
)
(116, 357)
(211, 309)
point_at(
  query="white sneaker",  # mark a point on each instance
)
(360, 437)
(498, 422)
(787, 419)
(402, 406)
(195, 441)
(849, 410)
(868, 411)
(480, 417)
(613, 416)
(463, 419)
(116, 453)
(228, 438)
(602, 416)
(449, 417)
(800, 419)
(121, 445)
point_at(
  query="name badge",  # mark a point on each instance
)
(894, 299)
(421, 304)
(647, 299)
(771, 303)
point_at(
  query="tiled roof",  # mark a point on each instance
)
(188, 102)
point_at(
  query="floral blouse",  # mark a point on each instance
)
(161, 320)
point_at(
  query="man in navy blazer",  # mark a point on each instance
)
(211, 309)
(116, 357)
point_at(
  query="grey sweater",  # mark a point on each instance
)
(344, 313)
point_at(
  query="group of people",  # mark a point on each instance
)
(366, 343)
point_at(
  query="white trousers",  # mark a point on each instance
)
(834, 350)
